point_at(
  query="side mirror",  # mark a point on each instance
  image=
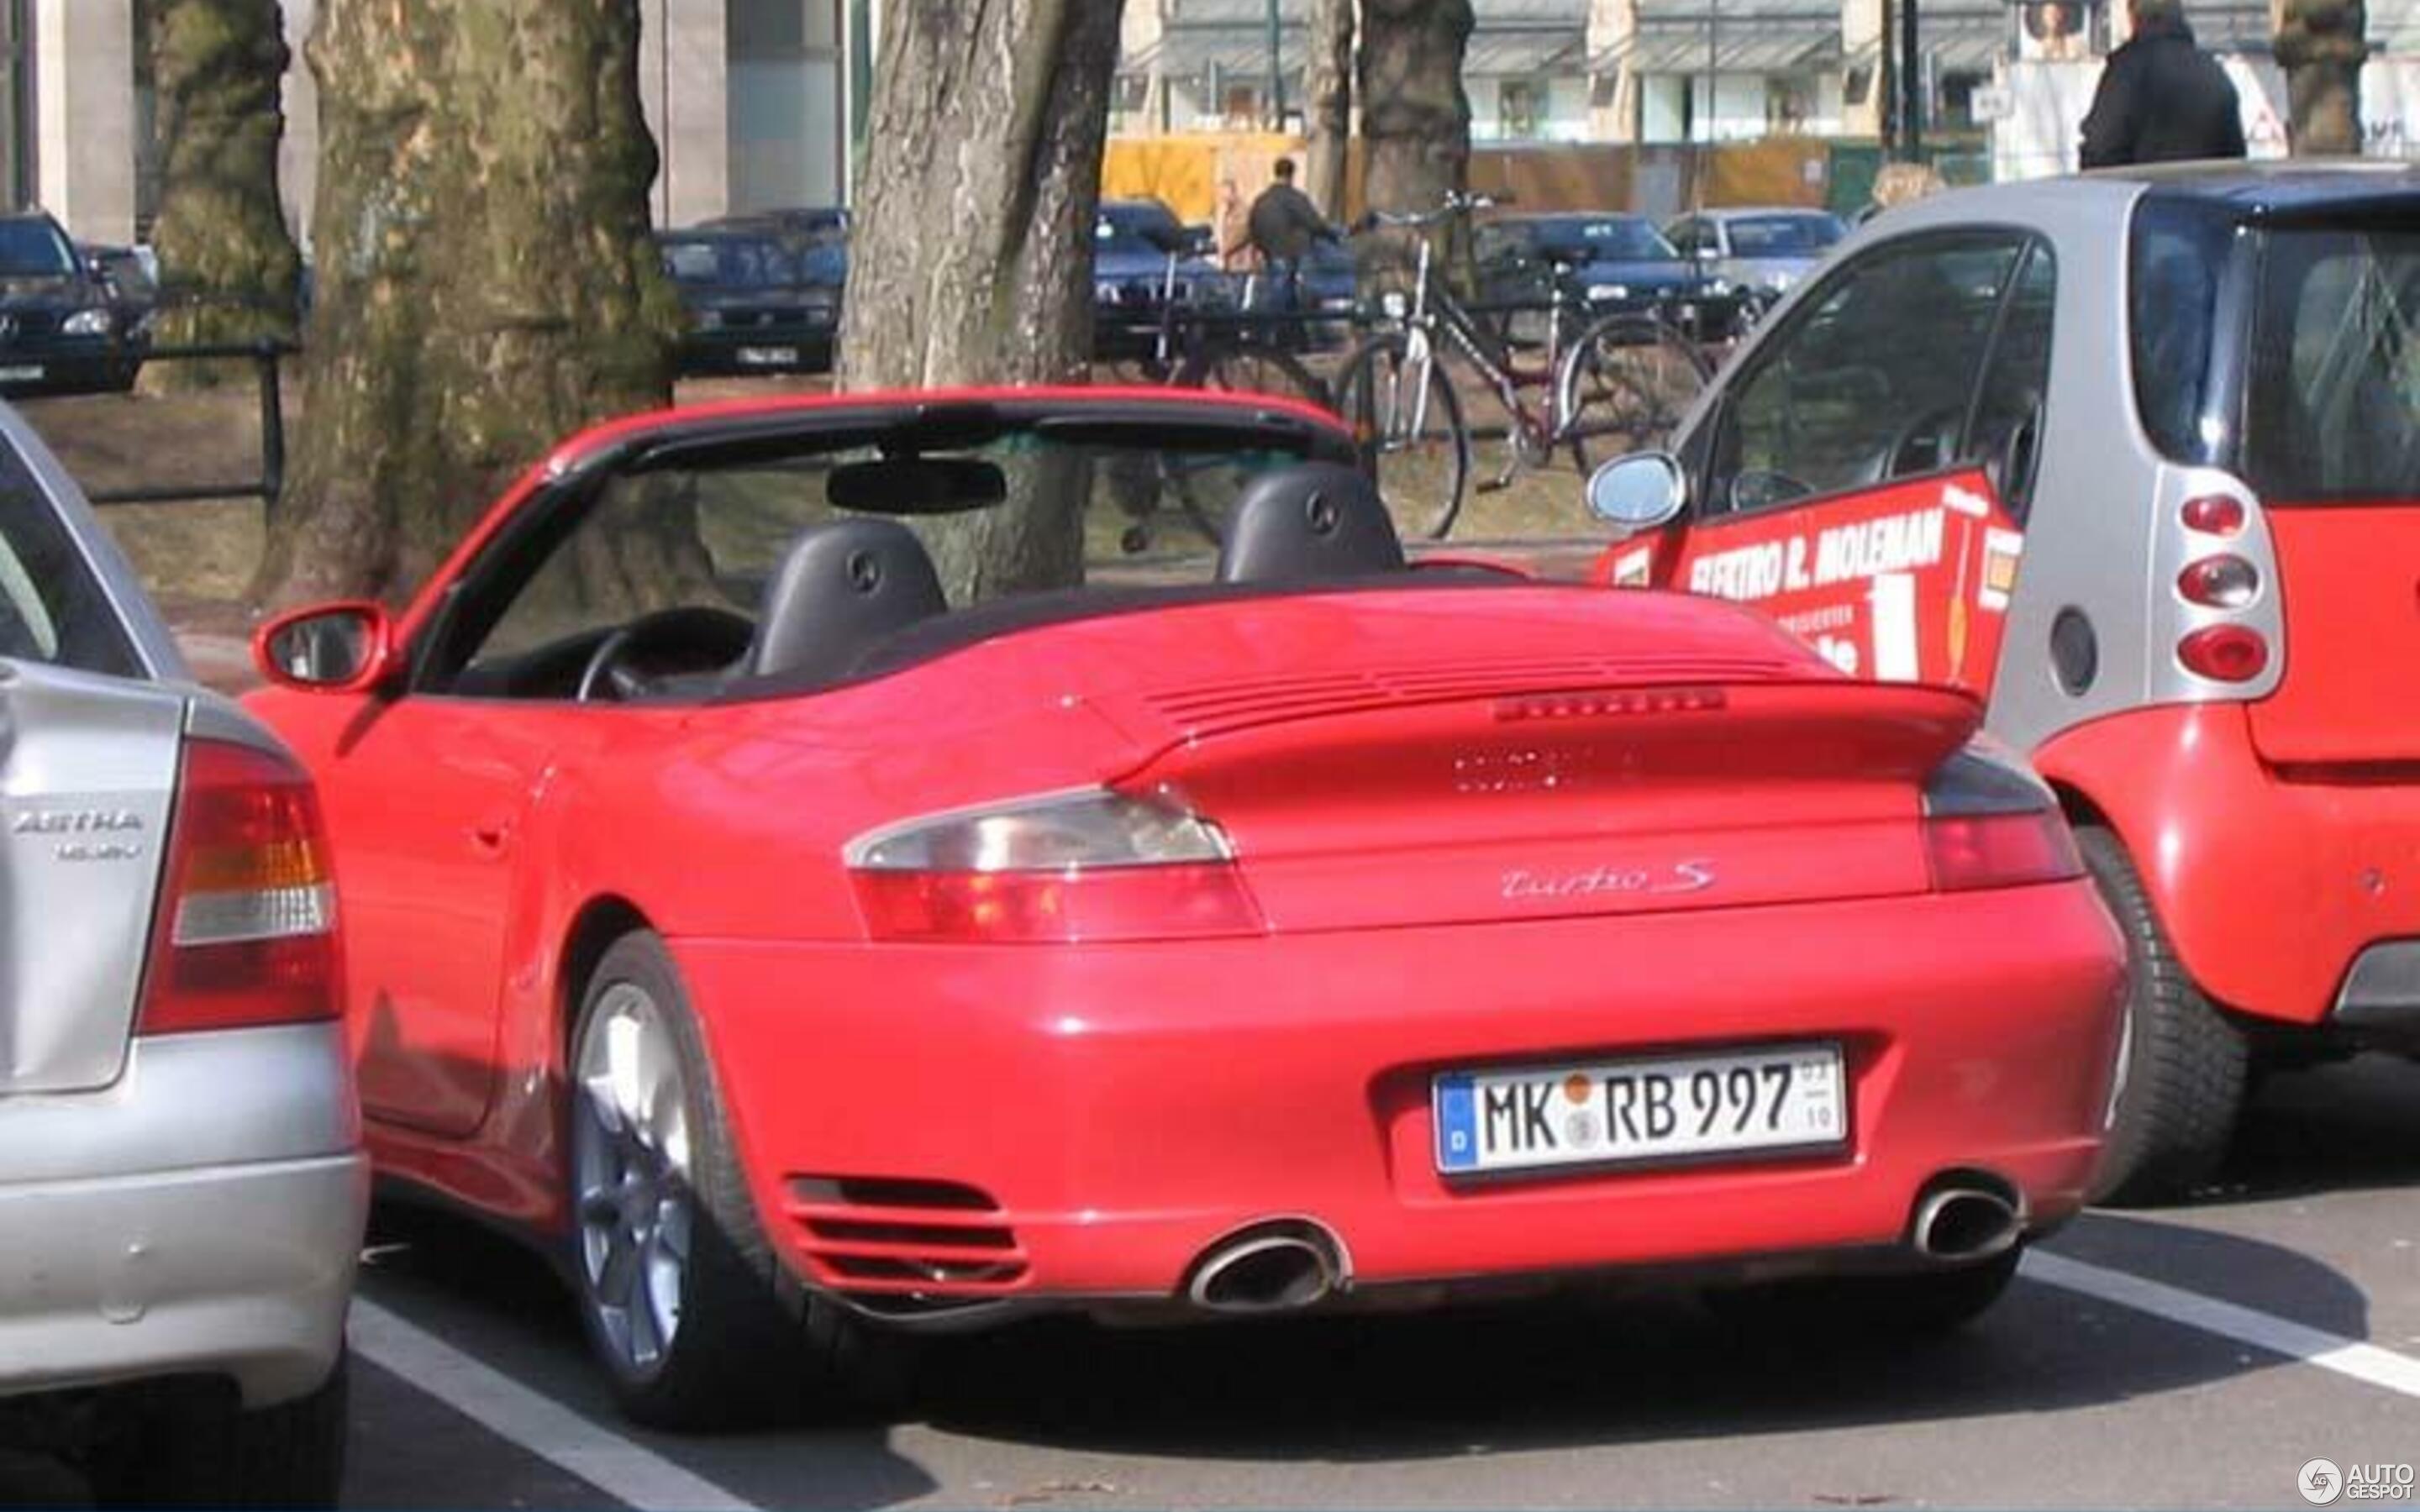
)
(1639, 492)
(346, 647)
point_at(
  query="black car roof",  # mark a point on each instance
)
(2287, 188)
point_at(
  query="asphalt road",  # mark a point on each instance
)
(2191, 1356)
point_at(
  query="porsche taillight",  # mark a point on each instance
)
(1989, 823)
(1095, 865)
(245, 931)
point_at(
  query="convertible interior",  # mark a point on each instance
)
(698, 591)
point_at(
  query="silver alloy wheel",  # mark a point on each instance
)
(630, 1173)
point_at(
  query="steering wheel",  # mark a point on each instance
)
(1935, 431)
(1764, 487)
(719, 636)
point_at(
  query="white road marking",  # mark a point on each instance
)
(545, 1427)
(2366, 1362)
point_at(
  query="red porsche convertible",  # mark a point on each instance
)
(804, 959)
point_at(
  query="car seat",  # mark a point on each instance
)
(844, 585)
(1309, 521)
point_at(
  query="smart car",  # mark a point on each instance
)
(181, 1181)
(2136, 456)
(802, 957)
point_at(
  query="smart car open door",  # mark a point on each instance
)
(1865, 477)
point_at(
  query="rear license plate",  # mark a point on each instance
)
(32, 374)
(1791, 1097)
(769, 356)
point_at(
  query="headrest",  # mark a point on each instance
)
(1310, 520)
(846, 584)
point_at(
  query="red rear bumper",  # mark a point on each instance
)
(1083, 1121)
(2270, 881)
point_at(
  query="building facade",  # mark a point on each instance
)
(754, 104)
(1658, 71)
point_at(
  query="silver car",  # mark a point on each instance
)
(1767, 249)
(181, 1184)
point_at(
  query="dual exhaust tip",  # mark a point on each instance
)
(1290, 1264)
(1276, 1267)
(1960, 1219)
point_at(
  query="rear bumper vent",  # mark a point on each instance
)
(891, 1236)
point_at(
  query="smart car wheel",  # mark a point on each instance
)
(2180, 1072)
(685, 1301)
(189, 1444)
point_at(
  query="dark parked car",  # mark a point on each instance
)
(755, 302)
(127, 273)
(61, 330)
(817, 234)
(1611, 264)
(1142, 255)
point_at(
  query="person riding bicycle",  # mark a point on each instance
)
(1282, 228)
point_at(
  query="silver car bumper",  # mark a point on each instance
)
(203, 1216)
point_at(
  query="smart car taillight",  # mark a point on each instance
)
(2225, 652)
(246, 932)
(2214, 514)
(2221, 582)
(1087, 866)
(1989, 823)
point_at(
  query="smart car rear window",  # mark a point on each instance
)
(2333, 404)
(2175, 261)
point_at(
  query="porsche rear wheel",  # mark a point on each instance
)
(686, 1304)
(2181, 1068)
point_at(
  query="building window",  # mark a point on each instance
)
(1958, 99)
(1787, 105)
(783, 102)
(1239, 105)
(1517, 109)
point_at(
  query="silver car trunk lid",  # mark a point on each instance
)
(88, 776)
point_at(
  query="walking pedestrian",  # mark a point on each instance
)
(2162, 98)
(1284, 225)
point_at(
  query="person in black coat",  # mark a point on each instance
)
(2162, 98)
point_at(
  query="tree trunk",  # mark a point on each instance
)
(228, 263)
(1327, 104)
(971, 256)
(2320, 45)
(486, 282)
(1415, 117)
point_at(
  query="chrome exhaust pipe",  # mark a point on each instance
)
(1267, 1270)
(1965, 1223)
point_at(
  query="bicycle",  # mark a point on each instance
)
(1231, 346)
(1232, 350)
(1624, 377)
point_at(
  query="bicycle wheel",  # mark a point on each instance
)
(1251, 370)
(1624, 385)
(1401, 406)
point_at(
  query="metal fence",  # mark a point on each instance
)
(267, 357)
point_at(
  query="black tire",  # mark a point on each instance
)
(1901, 1308)
(1419, 455)
(195, 1448)
(1625, 382)
(2183, 1065)
(752, 1345)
